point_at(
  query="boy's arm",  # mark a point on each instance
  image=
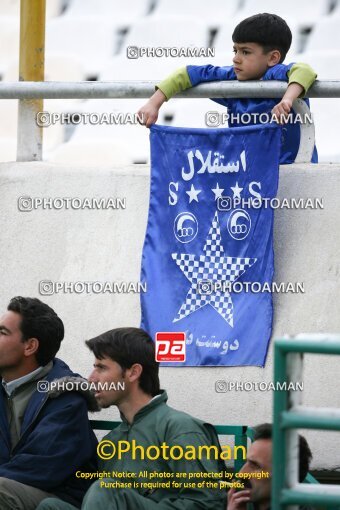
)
(177, 81)
(181, 79)
(300, 78)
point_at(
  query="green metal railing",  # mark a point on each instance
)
(289, 414)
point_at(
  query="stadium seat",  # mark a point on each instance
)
(119, 12)
(326, 112)
(12, 8)
(89, 40)
(325, 35)
(325, 63)
(57, 68)
(218, 11)
(302, 12)
(168, 31)
(326, 115)
(191, 112)
(136, 136)
(10, 36)
(148, 69)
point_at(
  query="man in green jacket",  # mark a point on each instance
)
(157, 458)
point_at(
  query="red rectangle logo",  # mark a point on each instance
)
(170, 346)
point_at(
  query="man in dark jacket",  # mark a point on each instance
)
(45, 435)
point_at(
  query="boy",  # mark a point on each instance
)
(261, 43)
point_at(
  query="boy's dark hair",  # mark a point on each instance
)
(127, 346)
(265, 431)
(38, 320)
(268, 30)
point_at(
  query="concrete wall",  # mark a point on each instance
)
(105, 245)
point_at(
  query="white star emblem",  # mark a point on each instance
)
(217, 191)
(236, 191)
(193, 194)
(214, 268)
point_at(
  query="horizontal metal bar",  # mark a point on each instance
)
(144, 89)
(327, 344)
(231, 430)
(311, 418)
(314, 494)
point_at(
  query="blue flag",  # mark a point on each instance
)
(208, 257)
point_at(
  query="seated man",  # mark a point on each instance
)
(259, 458)
(44, 438)
(127, 356)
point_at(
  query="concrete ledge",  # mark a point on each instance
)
(105, 245)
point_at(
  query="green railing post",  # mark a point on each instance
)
(289, 415)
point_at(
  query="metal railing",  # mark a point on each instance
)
(30, 95)
(144, 89)
(31, 89)
(290, 414)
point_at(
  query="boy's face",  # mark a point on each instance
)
(251, 63)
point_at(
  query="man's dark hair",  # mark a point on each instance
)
(268, 30)
(265, 431)
(38, 320)
(127, 346)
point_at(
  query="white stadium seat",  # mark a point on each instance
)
(148, 69)
(192, 113)
(90, 40)
(57, 68)
(10, 36)
(325, 35)
(136, 136)
(171, 31)
(12, 8)
(213, 13)
(325, 63)
(119, 12)
(302, 12)
(326, 112)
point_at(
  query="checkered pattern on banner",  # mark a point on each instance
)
(210, 268)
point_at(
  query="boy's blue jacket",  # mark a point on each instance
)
(56, 441)
(236, 107)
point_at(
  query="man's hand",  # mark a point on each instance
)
(148, 114)
(237, 500)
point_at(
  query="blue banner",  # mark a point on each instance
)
(209, 241)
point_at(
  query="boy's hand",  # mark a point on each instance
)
(148, 114)
(237, 500)
(281, 110)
